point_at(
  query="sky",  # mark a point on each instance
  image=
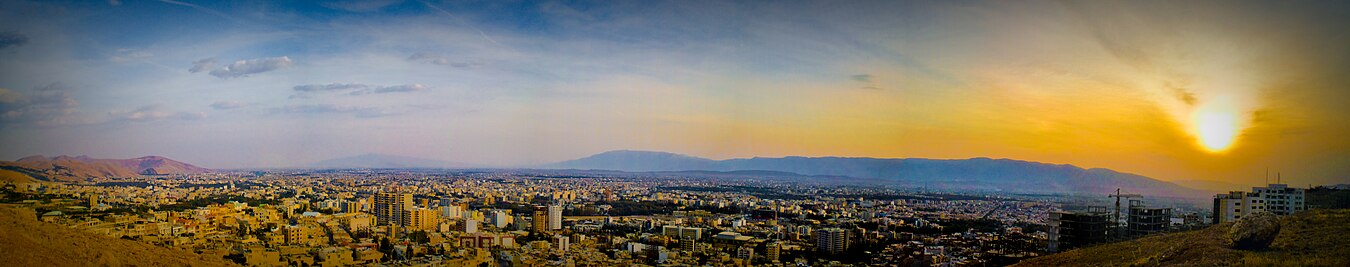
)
(1175, 90)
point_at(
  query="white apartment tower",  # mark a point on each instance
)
(554, 217)
(1278, 199)
(831, 240)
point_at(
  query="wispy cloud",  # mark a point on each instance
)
(129, 55)
(357, 111)
(151, 113)
(866, 80)
(355, 89)
(8, 39)
(330, 87)
(47, 105)
(206, 64)
(241, 68)
(228, 105)
(438, 59)
(360, 5)
(200, 8)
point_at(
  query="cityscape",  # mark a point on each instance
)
(681, 133)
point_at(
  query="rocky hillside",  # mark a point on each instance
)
(67, 168)
(1311, 238)
(25, 241)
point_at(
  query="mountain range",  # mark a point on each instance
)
(965, 174)
(381, 161)
(70, 169)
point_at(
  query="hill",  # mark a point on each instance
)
(68, 169)
(965, 174)
(29, 242)
(381, 161)
(1311, 238)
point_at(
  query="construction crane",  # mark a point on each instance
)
(1118, 196)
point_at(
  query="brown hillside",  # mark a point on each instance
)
(25, 241)
(67, 168)
(1311, 238)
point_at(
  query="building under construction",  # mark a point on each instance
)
(1070, 230)
(1143, 220)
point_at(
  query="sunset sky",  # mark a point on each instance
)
(1175, 90)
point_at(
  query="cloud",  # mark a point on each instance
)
(227, 105)
(47, 105)
(360, 5)
(241, 68)
(360, 112)
(862, 77)
(866, 79)
(151, 113)
(128, 55)
(355, 89)
(438, 59)
(201, 8)
(330, 87)
(1182, 93)
(8, 39)
(406, 88)
(206, 64)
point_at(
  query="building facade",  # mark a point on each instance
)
(1278, 199)
(831, 240)
(389, 207)
(554, 217)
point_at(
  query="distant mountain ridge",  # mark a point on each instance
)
(382, 161)
(970, 174)
(67, 168)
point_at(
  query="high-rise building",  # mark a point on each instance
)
(688, 243)
(1278, 199)
(93, 201)
(555, 217)
(681, 231)
(831, 240)
(389, 207)
(419, 219)
(452, 211)
(540, 219)
(348, 206)
(562, 242)
(499, 219)
(470, 226)
(773, 250)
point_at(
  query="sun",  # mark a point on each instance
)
(1217, 125)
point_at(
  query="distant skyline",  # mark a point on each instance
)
(1194, 90)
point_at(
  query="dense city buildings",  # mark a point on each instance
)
(510, 218)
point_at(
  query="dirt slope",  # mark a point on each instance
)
(25, 241)
(1312, 238)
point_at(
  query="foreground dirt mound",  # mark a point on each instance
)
(24, 241)
(1311, 238)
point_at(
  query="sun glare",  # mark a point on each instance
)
(1216, 125)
